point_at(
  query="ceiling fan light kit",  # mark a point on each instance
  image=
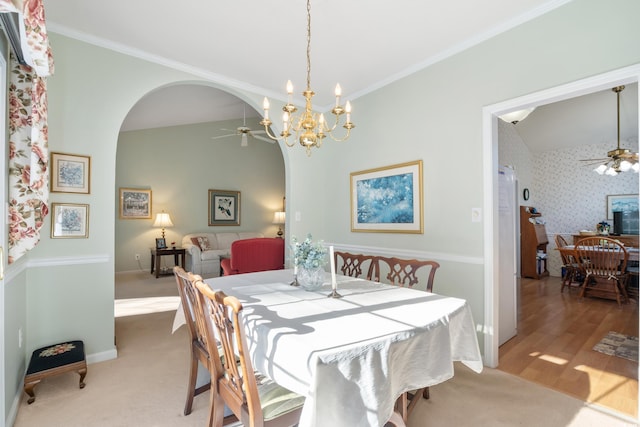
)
(620, 159)
(310, 128)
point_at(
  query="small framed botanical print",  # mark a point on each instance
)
(70, 173)
(69, 221)
(224, 207)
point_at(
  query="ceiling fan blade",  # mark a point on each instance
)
(244, 142)
(262, 138)
(223, 136)
(258, 131)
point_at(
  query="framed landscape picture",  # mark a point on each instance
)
(69, 221)
(70, 173)
(224, 207)
(135, 203)
(387, 199)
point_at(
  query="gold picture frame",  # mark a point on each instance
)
(135, 203)
(70, 173)
(69, 221)
(401, 208)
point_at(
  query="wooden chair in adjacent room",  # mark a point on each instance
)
(604, 262)
(254, 399)
(353, 265)
(404, 272)
(573, 273)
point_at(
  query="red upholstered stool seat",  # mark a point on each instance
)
(54, 360)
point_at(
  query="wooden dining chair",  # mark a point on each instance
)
(352, 265)
(604, 262)
(254, 399)
(197, 335)
(573, 273)
(404, 272)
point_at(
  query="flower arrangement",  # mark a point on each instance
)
(603, 228)
(308, 254)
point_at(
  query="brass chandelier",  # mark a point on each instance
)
(310, 128)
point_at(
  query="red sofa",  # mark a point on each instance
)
(250, 255)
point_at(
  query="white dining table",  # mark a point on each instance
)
(352, 357)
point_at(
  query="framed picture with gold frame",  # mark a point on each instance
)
(135, 203)
(388, 199)
(69, 221)
(70, 173)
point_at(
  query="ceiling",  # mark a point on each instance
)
(361, 44)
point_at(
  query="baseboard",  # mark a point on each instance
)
(102, 356)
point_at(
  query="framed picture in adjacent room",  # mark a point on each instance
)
(135, 203)
(387, 199)
(161, 243)
(625, 208)
(69, 221)
(70, 173)
(224, 207)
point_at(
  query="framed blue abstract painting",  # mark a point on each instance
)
(388, 199)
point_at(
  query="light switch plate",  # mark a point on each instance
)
(476, 214)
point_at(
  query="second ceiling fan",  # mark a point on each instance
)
(245, 132)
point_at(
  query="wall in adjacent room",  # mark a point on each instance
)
(180, 164)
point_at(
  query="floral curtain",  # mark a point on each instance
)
(28, 151)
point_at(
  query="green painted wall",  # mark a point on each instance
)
(434, 115)
(180, 164)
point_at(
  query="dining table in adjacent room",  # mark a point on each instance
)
(353, 356)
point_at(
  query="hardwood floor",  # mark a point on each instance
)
(554, 345)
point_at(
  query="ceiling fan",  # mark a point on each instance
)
(244, 133)
(620, 159)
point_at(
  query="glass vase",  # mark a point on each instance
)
(311, 279)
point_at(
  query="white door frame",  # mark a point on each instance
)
(490, 119)
(4, 143)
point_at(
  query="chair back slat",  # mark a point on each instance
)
(403, 272)
(187, 291)
(567, 258)
(349, 264)
(604, 257)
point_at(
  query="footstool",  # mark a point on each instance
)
(54, 360)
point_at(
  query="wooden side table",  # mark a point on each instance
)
(157, 254)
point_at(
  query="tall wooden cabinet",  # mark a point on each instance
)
(533, 244)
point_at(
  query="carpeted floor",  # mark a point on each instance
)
(146, 384)
(619, 345)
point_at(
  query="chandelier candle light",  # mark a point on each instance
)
(309, 127)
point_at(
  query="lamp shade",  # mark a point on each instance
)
(163, 220)
(279, 217)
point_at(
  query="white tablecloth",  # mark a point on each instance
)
(353, 356)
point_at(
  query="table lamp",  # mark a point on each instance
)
(278, 218)
(163, 220)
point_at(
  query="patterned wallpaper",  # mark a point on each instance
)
(570, 196)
